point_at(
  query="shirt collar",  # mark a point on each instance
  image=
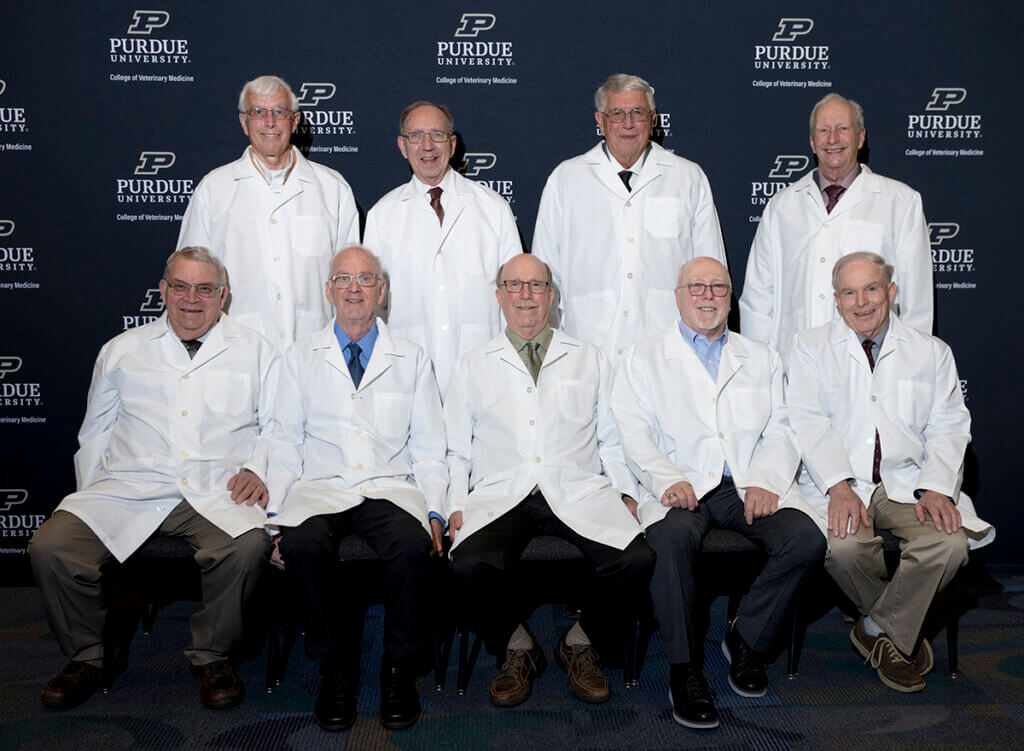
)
(823, 182)
(692, 337)
(543, 339)
(638, 165)
(274, 178)
(365, 344)
(876, 339)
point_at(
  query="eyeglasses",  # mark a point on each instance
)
(344, 281)
(637, 113)
(262, 113)
(179, 288)
(418, 136)
(697, 289)
(515, 286)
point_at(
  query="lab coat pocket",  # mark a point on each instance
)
(862, 236)
(391, 415)
(664, 217)
(228, 393)
(591, 313)
(310, 236)
(914, 403)
(577, 400)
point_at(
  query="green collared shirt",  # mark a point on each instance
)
(543, 340)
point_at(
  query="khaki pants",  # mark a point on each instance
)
(928, 560)
(67, 557)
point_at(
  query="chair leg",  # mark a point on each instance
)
(273, 647)
(629, 645)
(796, 641)
(462, 678)
(733, 607)
(442, 649)
(952, 632)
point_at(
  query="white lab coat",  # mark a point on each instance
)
(615, 254)
(788, 286)
(277, 248)
(679, 425)
(341, 444)
(442, 277)
(160, 427)
(507, 435)
(912, 397)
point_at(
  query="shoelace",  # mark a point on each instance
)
(744, 658)
(514, 660)
(884, 644)
(697, 689)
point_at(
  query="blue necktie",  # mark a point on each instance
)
(354, 366)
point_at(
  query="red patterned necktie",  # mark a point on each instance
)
(868, 344)
(435, 204)
(834, 191)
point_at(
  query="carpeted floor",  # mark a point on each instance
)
(835, 702)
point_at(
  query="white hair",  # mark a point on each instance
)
(266, 86)
(622, 82)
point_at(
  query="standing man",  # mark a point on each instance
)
(704, 426)
(363, 452)
(174, 442)
(879, 415)
(533, 450)
(275, 219)
(441, 238)
(616, 223)
(838, 208)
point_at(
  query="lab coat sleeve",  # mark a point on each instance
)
(195, 225)
(777, 457)
(427, 445)
(270, 378)
(509, 243)
(914, 268)
(101, 412)
(758, 301)
(348, 217)
(609, 444)
(458, 422)
(947, 431)
(284, 465)
(707, 232)
(822, 447)
(639, 428)
(546, 233)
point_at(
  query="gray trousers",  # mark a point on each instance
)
(67, 557)
(928, 560)
(794, 545)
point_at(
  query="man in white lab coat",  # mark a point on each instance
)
(881, 421)
(441, 238)
(616, 223)
(363, 452)
(838, 208)
(703, 423)
(175, 441)
(533, 450)
(274, 218)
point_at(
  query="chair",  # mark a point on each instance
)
(353, 551)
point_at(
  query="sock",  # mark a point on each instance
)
(577, 637)
(872, 628)
(520, 639)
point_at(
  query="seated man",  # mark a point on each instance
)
(703, 424)
(364, 446)
(879, 416)
(174, 442)
(533, 451)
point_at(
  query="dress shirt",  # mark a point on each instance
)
(845, 183)
(543, 340)
(365, 344)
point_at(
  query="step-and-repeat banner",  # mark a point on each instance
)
(110, 113)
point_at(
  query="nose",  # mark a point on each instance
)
(192, 295)
(708, 294)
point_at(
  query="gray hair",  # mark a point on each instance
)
(686, 267)
(449, 120)
(858, 111)
(622, 82)
(267, 86)
(370, 253)
(501, 269)
(199, 254)
(861, 255)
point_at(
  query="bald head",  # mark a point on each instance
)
(526, 311)
(703, 296)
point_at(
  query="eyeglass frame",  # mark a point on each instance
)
(270, 111)
(542, 286)
(636, 114)
(377, 278)
(425, 134)
(691, 287)
(189, 287)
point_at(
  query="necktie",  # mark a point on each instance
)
(191, 346)
(875, 477)
(625, 175)
(355, 368)
(533, 361)
(834, 191)
(435, 204)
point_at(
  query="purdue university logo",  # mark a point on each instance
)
(144, 21)
(151, 162)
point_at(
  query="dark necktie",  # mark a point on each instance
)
(875, 477)
(191, 346)
(355, 368)
(625, 175)
(435, 204)
(834, 191)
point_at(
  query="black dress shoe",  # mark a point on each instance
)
(219, 685)
(399, 702)
(746, 668)
(72, 686)
(693, 704)
(335, 707)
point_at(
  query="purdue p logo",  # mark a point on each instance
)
(478, 162)
(144, 21)
(11, 497)
(940, 231)
(473, 23)
(311, 94)
(6, 227)
(152, 302)
(151, 162)
(791, 28)
(943, 98)
(787, 165)
(9, 364)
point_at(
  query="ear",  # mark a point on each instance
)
(244, 121)
(401, 147)
(863, 136)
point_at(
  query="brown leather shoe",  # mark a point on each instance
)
(219, 685)
(861, 640)
(586, 681)
(72, 685)
(514, 681)
(893, 667)
(923, 657)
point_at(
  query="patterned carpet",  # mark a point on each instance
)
(834, 703)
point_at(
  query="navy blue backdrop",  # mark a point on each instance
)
(110, 114)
